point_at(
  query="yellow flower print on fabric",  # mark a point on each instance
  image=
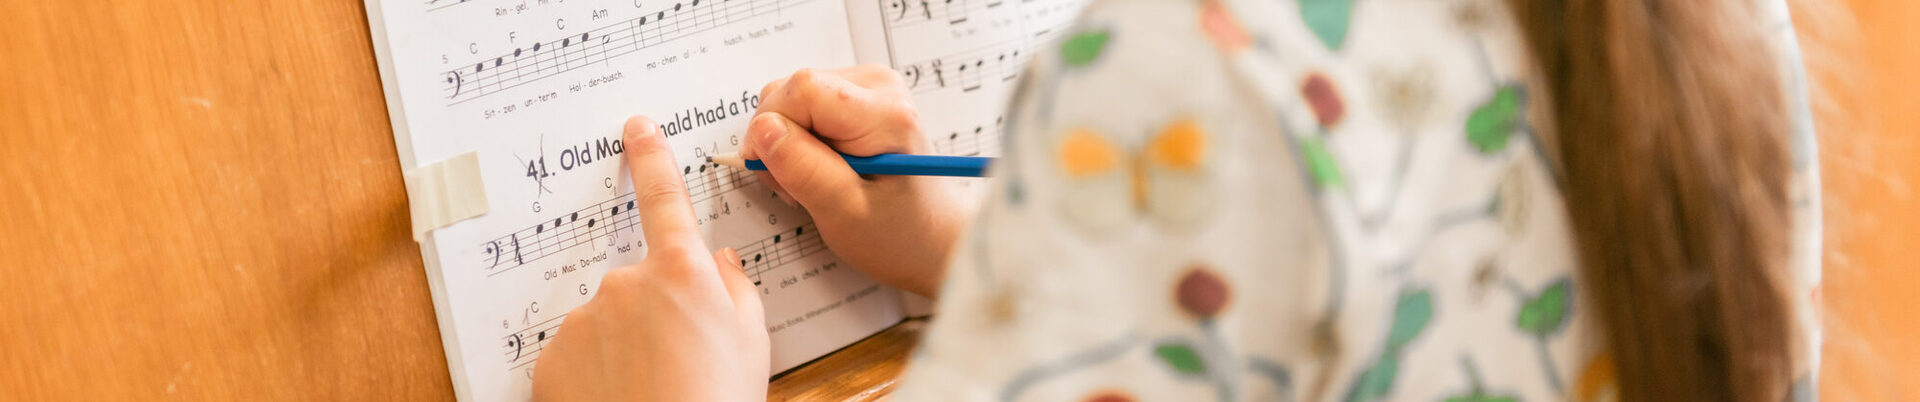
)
(1108, 185)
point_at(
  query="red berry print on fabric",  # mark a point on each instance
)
(1324, 98)
(1108, 396)
(1202, 292)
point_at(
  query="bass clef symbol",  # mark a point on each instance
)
(454, 79)
(517, 346)
(492, 248)
(898, 5)
(913, 75)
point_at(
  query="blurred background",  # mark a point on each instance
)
(1866, 53)
(201, 201)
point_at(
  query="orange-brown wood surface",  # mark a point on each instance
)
(201, 200)
(864, 371)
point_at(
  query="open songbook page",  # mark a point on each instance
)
(537, 90)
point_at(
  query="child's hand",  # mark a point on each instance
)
(897, 229)
(681, 325)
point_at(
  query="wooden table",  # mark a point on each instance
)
(202, 201)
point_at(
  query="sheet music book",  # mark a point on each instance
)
(537, 90)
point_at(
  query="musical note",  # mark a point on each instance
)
(971, 82)
(767, 254)
(1008, 74)
(981, 139)
(954, 18)
(908, 13)
(705, 181)
(778, 250)
(1004, 60)
(522, 66)
(527, 343)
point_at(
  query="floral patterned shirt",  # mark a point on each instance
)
(1287, 200)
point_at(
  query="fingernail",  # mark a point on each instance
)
(637, 127)
(767, 131)
(734, 255)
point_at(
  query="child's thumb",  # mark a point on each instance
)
(810, 171)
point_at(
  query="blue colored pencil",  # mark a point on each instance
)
(890, 164)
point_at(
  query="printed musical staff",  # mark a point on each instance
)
(779, 250)
(709, 180)
(967, 70)
(546, 59)
(980, 140)
(907, 13)
(563, 232)
(523, 347)
(586, 225)
(437, 5)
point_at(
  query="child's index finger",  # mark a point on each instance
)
(666, 214)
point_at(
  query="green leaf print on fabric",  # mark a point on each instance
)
(1543, 314)
(1479, 393)
(1410, 316)
(1084, 47)
(1491, 124)
(1320, 163)
(1374, 383)
(1479, 397)
(1180, 357)
(1328, 19)
(1411, 313)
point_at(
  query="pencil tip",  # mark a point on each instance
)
(729, 159)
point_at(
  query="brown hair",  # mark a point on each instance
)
(1670, 121)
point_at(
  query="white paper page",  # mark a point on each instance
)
(960, 57)
(540, 89)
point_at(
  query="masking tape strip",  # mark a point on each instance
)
(445, 192)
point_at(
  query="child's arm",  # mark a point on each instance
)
(897, 229)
